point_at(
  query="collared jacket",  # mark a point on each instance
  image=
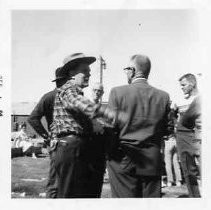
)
(148, 109)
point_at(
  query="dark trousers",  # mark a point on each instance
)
(96, 180)
(74, 169)
(188, 150)
(125, 183)
(51, 187)
(98, 163)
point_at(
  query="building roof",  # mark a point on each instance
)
(23, 108)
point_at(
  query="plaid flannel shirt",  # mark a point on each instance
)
(72, 111)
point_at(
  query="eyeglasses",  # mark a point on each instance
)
(129, 69)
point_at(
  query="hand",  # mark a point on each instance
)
(122, 117)
(98, 126)
(53, 144)
(47, 141)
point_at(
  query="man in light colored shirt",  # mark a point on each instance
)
(187, 144)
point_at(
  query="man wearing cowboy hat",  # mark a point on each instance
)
(44, 108)
(72, 129)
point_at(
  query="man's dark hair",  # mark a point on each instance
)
(190, 77)
(143, 65)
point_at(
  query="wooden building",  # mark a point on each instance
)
(20, 113)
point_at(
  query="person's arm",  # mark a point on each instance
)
(80, 103)
(192, 113)
(112, 101)
(35, 119)
(72, 101)
(168, 119)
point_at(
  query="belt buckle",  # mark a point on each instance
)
(63, 142)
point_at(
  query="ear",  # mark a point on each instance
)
(194, 85)
(133, 72)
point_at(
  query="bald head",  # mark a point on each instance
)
(97, 92)
(142, 65)
(97, 86)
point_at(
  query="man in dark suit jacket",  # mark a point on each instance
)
(135, 165)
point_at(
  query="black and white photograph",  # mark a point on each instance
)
(106, 104)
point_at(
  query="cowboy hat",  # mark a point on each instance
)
(76, 58)
(59, 74)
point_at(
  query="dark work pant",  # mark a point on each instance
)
(188, 152)
(73, 168)
(96, 180)
(125, 183)
(98, 163)
(51, 187)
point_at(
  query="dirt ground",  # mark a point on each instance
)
(29, 178)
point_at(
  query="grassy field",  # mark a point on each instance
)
(29, 178)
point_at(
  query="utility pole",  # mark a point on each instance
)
(1, 80)
(102, 67)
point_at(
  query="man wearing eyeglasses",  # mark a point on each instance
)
(135, 165)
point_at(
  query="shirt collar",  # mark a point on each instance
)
(79, 90)
(139, 79)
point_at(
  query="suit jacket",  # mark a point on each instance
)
(140, 137)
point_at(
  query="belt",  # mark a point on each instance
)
(63, 142)
(62, 135)
(65, 134)
(69, 138)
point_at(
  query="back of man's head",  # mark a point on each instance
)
(142, 64)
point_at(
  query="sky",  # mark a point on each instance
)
(41, 39)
